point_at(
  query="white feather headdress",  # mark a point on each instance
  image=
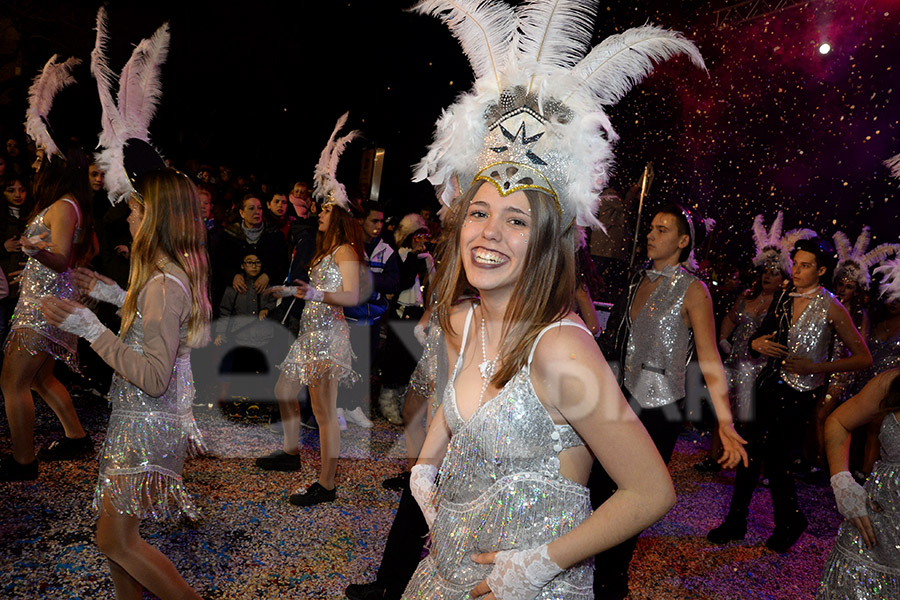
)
(52, 78)
(890, 285)
(326, 187)
(893, 164)
(773, 250)
(534, 118)
(854, 262)
(129, 116)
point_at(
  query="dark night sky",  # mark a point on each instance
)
(774, 125)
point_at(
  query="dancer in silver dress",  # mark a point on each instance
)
(321, 357)
(530, 400)
(59, 236)
(864, 563)
(165, 313)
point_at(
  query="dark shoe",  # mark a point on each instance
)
(398, 483)
(731, 530)
(13, 470)
(66, 448)
(783, 538)
(309, 422)
(279, 461)
(315, 494)
(708, 465)
(366, 591)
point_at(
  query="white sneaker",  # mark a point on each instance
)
(358, 418)
(342, 422)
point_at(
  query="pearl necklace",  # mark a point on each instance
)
(487, 367)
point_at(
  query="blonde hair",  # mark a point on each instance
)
(543, 294)
(172, 228)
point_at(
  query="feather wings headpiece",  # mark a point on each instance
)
(52, 78)
(854, 262)
(773, 250)
(127, 117)
(534, 118)
(326, 187)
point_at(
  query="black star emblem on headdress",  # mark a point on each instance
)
(526, 141)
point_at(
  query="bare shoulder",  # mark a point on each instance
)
(63, 209)
(698, 291)
(345, 252)
(458, 322)
(565, 343)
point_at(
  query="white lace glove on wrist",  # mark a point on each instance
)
(283, 291)
(83, 323)
(108, 293)
(521, 574)
(419, 332)
(421, 484)
(725, 345)
(314, 295)
(850, 496)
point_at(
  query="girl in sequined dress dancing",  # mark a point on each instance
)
(59, 236)
(165, 313)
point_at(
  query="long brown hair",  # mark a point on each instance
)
(342, 229)
(171, 227)
(543, 294)
(60, 176)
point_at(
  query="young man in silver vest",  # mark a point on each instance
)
(796, 335)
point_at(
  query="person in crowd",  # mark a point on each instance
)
(165, 313)
(15, 206)
(795, 337)
(59, 236)
(864, 562)
(665, 311)
(277, 215)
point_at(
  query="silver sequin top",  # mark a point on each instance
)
(659, 343)
(500, 488)
(810, 337)
(742, 368)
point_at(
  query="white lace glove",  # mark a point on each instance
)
(850, 496)
(421, 484)
(521, 574)
(314, 295)
(283, 291)
(83, 323)
(108, 293)
(419, 332)
(725, 345)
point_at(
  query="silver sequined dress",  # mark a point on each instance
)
(29, 330)
(424, 376)
(149, 437)
(743, 369)
(322, 349)
(499, 488)
(854, 572)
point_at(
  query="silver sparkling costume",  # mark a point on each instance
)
(29, 330)
(424, 376)
(322, 349)
(854, 572)
(810, 337)
(658, 347)
(499, 488)
(149, 437)
(743, 369)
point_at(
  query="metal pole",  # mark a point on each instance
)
(637, 225)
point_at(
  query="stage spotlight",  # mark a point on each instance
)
(825, 48)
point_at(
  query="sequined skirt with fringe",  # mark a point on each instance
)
(322, 349)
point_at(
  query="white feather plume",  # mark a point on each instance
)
(484, 29)
(555, 33)
(326, 187)
(622, 61)
(893, 164)
(842, 245)
(890, 285)
(128, 116)
(771, 246)
(52, 78)
(760, 235)
(854, 262)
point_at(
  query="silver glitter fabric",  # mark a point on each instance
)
(658, 345)
(29, 330)
(148, 438)
(425, 374)
(322, 349)
(810, 337)
(499, 488)
(852, 570)
(743, 369)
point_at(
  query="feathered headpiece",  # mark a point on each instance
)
(893, 164)
(326, 187)
(890, 284)
(854, 262)
(126, 120)
(535, 118)
(52, 78)
(772, 249)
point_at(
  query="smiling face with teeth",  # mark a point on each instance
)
(494, 239)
